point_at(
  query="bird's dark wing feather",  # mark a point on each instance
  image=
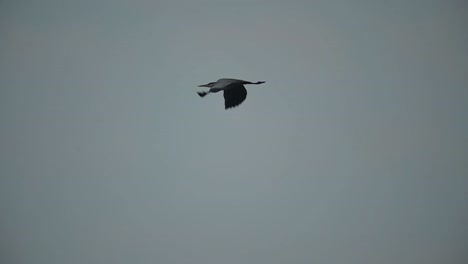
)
(234, 95)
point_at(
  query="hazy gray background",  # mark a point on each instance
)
(354, 151)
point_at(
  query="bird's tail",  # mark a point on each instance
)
(202, 94)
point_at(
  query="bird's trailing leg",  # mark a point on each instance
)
(202, 94)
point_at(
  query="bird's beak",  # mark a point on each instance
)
(204, 85)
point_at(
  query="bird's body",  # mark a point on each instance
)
(234, 90)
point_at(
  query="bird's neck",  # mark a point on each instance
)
(247, 82)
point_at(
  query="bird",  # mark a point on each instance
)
(233, 89)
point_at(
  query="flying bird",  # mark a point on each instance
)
(234, 90)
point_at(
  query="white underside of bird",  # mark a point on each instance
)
(233, 89)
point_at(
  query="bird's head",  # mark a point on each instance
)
(211, 84)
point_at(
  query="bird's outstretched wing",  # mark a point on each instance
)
(234, 95)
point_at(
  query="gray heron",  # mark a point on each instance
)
(234, 90)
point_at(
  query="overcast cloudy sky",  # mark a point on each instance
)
(354, 151)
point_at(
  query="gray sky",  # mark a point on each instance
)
(354, 151)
